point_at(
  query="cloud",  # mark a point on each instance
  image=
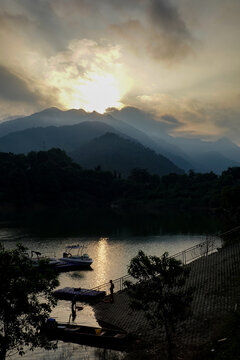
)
(166, 17)
(170, 37)
(150, 27)
(20, 95)
(171, 121)
(35, 25)
(8, 20)
(13, 88)
(156, 31)
(175, 59)
(87, 74)
(227, 119)
(208, 120)
(132, 33)
(146, 121)
(191, 117)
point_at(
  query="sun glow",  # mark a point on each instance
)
(88, 75)
(97, 93)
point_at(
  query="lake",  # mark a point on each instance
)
(111, 253)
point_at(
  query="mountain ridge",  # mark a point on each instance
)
(184, 152)
(114, 153)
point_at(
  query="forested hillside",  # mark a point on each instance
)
(113, 152)
(51, 179)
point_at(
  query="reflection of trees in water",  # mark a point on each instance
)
(93, 223)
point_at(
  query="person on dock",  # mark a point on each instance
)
(111, 291)
(74, 314)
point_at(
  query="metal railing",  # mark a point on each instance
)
(210, 245)
(118, 284)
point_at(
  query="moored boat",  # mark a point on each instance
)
(80, 258)
(87, 295)
(99, 337)
(37, 256)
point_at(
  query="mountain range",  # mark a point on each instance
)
(121, 136)
(122, 155)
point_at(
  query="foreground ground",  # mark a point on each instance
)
(210, 331)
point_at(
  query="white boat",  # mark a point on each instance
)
(79, 259)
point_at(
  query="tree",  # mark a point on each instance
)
(160, 292)
(140, 175)
(26, 300)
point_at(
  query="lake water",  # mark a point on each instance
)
(111, 256)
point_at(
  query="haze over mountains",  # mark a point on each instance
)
(128, 136)
(113, 151)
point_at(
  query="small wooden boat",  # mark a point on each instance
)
(87, 335)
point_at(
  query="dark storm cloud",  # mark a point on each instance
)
(170, 37)
(167, 18)
(12, 88)
(16, 90)
(38, 24)
(151, 27)
(156, 29)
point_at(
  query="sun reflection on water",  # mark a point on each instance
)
(102, 258)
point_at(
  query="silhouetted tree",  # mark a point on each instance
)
(26, 300)
(160, 291)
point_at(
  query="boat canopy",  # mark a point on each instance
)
(36, 253)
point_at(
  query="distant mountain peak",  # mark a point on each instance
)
(76, 111)
(48, 111)
(225, 141)
(54, 108)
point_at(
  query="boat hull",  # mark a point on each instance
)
(50, 261)
(97, 337)
(80, 294)
(80, 262)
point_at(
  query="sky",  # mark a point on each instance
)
(179, 61)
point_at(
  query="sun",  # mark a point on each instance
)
(102, 92)
(88, 75)
(94, 93)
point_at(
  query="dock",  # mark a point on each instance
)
(87, 295)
